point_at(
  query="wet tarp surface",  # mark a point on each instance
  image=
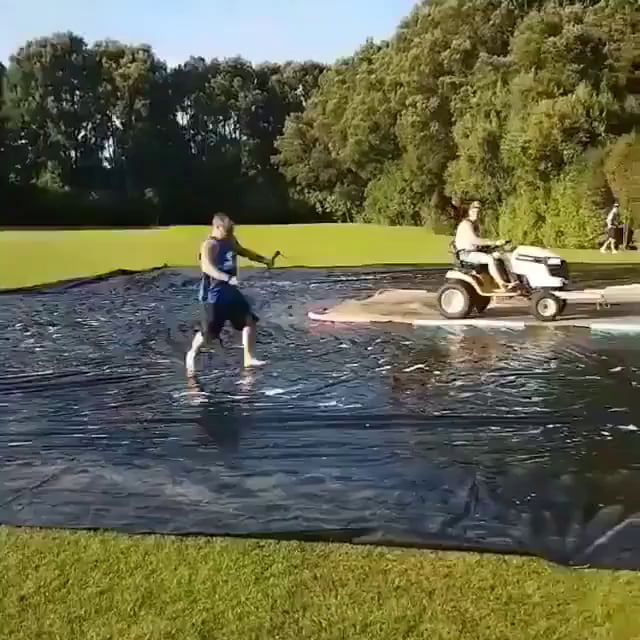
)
(507, 441)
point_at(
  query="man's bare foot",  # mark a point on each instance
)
(254, 362)
(195, 394)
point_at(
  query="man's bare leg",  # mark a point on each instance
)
(249, 345)
(190, 359)
(496, 275)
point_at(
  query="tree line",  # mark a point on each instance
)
(107, 134)
(531, 106)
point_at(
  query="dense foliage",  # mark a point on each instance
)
(528, 105)
(109, 135)
(531, 106)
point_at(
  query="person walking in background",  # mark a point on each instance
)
(613, 222)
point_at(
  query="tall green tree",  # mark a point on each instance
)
(212, 103)
(51, 88)
(493, 100)
(4, 133)
(230, 115)
(396, 103)
(113, 128)
(279, 91)
(133, 115)
(326, 152)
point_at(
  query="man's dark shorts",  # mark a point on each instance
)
(612, 232)
(214, 315)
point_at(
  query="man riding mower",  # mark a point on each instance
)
(484, 271)
(473, 250)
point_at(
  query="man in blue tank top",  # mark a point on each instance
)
(219, 295)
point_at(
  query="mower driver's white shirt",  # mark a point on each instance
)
(466, 237)
(611, 218)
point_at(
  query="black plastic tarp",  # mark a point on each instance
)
(509, 441)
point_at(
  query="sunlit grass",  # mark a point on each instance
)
(90, 586)
(30, 257)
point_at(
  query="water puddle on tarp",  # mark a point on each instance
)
(524, 441)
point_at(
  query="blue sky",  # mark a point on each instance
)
(259, 30)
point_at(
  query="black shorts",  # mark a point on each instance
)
(215, 315)
(612, 232)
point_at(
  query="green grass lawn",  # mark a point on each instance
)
(71, 585)
(30, 257)
(90, 586)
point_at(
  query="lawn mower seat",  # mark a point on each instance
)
(464, 266)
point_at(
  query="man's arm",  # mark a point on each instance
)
(251, 255)
(208, 253)
(482, 242)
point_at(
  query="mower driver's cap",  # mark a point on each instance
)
(475, 205)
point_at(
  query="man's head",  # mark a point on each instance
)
(474, 211)
(221, 226)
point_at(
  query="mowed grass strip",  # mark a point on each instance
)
(33, 257)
